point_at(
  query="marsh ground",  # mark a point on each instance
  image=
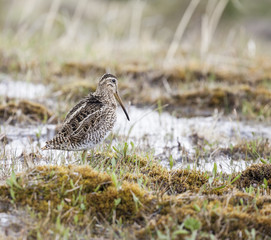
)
(193, 163)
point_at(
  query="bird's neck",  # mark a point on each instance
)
(107, 97)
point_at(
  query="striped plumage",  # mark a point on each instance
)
(91, 120)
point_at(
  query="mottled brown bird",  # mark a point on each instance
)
(91, 120)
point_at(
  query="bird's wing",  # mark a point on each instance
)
(82, 114)
(90, 99)
(92, 121)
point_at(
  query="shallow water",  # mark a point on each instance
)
(165, 136)
(172, 137)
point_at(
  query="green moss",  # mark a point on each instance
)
(166, 201)
(138, 197)
(77, 187)
(254, 176)
(156, 177)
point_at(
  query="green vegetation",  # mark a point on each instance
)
(137, 198)
(188, 67)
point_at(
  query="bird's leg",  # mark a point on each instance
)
(84, 155)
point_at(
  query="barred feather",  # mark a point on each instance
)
(90, 121)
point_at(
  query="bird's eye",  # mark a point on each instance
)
(113, 80)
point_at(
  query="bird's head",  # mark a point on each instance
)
(109, 83)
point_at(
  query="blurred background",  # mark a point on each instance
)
(148, 32)
(195, 77)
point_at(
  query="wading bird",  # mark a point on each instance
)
(91, 120)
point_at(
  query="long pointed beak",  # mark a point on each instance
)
(121, 104)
